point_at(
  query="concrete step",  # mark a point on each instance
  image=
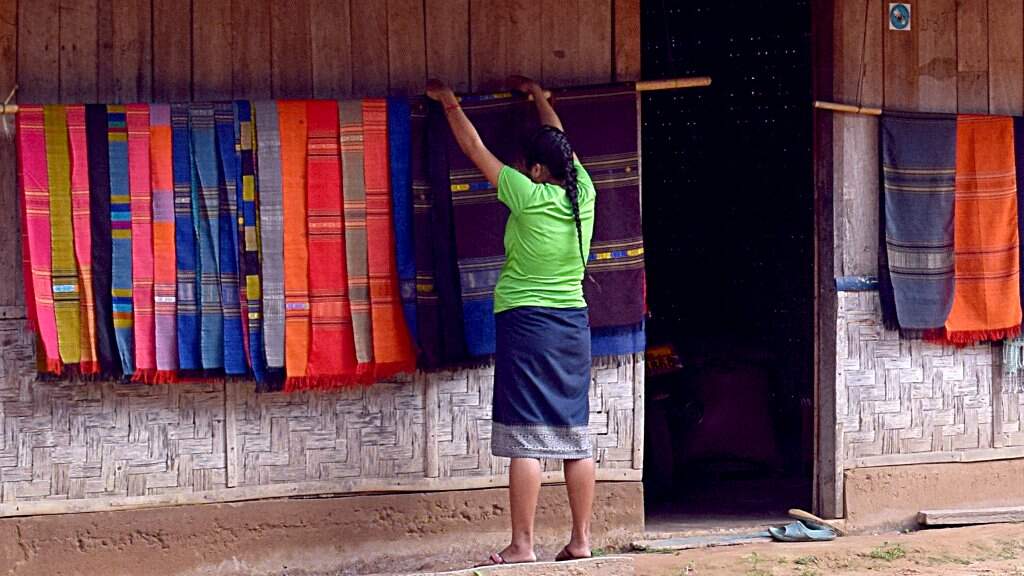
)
(603, 566)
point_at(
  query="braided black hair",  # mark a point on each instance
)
(550, 148)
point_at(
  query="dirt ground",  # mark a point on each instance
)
(995, 550)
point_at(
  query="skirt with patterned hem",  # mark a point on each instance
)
(542, 384)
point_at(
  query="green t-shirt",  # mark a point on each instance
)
(542, 257)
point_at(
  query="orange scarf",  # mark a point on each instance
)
(292, 124)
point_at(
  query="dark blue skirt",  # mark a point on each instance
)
(542, 384)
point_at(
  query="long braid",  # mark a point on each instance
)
(573, 191)
(551, 147)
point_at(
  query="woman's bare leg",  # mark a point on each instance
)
(523, 491)
(579, 482)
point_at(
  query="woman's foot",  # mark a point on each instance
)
(573, 552)
(511, 555)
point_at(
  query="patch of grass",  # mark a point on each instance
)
(946, 559)
(755, 560)
(888, 552)
(807, 561)
(690, 568)
(1009, 549)
(808, 572)
(599, 552)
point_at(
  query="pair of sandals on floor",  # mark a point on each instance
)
(564, 556)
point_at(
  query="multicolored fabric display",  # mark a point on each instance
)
(206, 212)
(227, 180)
(249, 239)
(332, 353)
(271, 232)
(393, 352)
(101, 238)
(292, 124)
(80, 216)
(185, 247)
(400, 151)
(121, 236)
(164, 260)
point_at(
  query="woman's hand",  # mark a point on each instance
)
(522, 84)
(437, 90)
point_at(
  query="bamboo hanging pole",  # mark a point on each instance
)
(847, 108)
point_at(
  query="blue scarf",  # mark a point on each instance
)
(249, 265)
(121, 237)
(400, 150)
(206, 211)
(227, 180)
(189, 357)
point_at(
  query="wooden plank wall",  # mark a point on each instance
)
(173, 50)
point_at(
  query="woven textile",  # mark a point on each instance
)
(428, 314)
(353, 185)
(206, 212)
(64, 270)
(268, 157)
(227, 180)
(121, 235)
(100, 231)
(618, 340)
(392, 348)
(164, 274)
(185, 247)
(36, 195)
(986, 297)
(140, 182)
(249, 238)
(918, 169)
(609, 150)
(87, 364)
(292, 125)
(399, 149)
(332, 357)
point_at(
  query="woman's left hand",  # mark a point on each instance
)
(437, 90)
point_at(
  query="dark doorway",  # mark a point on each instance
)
(728, 217)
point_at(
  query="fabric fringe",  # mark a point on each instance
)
(165, 377)
(971, 337)
(89, 368)
(144, 376)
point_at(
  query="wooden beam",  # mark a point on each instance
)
(964, 516)
(626, 28)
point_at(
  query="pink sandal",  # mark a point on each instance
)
(497, 560)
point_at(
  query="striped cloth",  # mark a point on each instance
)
(357, 265)
(292, 123)
(100, 229)
(239, 230)
(332, 358)
(164, 273)
(185, 248)
(206, 211)
(271, 232)
(986, 295)
(66, 301)
(399, 142)
(36, 195)
(121, 237)
(249, 239)
(88, 362)
(428, 313)
(393, 352)
(918, 169)
(227, 180)
(140, 182)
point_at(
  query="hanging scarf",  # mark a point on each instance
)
(239, 230)
(234, 353)
(140, 183)
(332, 359)
(428, 317)
(80, 216)
(986, 296)
(36, 195)
(292, 123)
(100, 240)
(399, 140)
(353, 186)
(66, 304)
(121, 237)
(1013, 349)
(271, 236)
(164, 275)
(392, 348)
(206, 213)
(185, 249)
(249, 239)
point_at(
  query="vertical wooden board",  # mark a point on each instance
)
(78, 50)
(972, 56)
(626, 25)
(290, 50)
(211, 50)
(370, 42)
(105, 51)
(936, 52)
(525, 50)
(407, 47)
(330, 24)
(901, 90)
(250, 53)
(488, 44)
(132, 66)
(1006, 57)
(38, 51)
(859, 240)
(11, 291)
(172, 50)
(594, 64)
(561, 42)
(858, 48)
(448, 42)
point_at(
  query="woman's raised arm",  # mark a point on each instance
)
(465, 133)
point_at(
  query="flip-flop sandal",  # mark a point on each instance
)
(565, 556)
(814, 522)
(799, 532)
(496, 560)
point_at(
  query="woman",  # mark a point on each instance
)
(542, 365)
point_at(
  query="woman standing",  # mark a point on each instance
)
(542, 365)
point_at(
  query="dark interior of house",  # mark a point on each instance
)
(728, 218)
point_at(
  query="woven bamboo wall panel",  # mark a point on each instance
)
(82, 441)
(906, 401)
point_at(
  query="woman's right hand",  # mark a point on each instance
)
(522, 84)
(437, 90)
